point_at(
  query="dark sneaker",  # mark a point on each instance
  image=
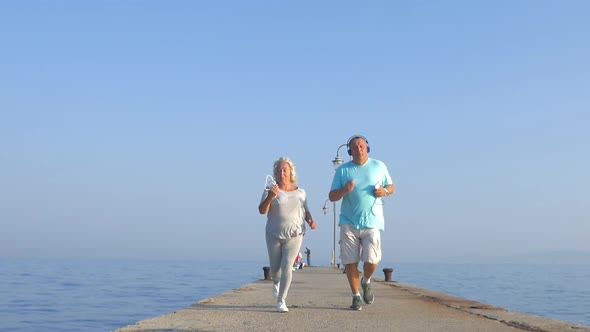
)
(368, 296)
(356, 303)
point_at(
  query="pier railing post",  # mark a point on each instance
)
(388, 272)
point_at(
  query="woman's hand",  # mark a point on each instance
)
(274, 191)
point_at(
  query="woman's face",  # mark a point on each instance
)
(284, 173)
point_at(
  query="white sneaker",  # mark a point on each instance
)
(275, 289)
(282, 307)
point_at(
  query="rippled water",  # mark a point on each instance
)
(101, 295)
(71, 295)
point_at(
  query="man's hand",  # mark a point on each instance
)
(349, 186)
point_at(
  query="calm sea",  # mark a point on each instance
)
(559, 291)
(102, 295)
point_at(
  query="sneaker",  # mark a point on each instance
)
(356, 303)
(282, 307)
(275, 290)
(368, 296)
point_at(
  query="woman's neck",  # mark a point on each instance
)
(286, 186)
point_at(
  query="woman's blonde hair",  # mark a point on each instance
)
(278, 163)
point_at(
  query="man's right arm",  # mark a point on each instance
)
(337, 194)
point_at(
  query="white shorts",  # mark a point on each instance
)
(359, 245)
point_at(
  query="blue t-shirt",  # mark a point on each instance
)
(360, 207)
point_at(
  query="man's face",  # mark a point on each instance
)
(358, 149)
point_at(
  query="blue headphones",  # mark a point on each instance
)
(357, 136)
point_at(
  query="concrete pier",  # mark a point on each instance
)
(319, 300)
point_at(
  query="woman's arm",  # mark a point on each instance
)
(264, 206)
(309, 219)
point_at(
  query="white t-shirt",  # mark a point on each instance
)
(286, 215)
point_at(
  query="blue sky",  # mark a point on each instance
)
(145, 129)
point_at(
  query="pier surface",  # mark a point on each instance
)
(319, 300)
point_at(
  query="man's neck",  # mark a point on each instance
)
(360, 161)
